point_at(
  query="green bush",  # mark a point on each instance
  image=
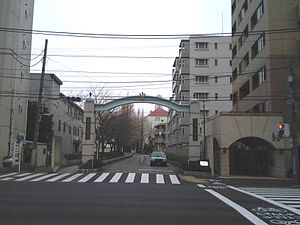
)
(176, 158)
(73, 156)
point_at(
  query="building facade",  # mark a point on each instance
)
(265, 64)
(15, 48)
(158, 116)
(201, 74)
(67, 117)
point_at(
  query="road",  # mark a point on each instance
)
(24, 201)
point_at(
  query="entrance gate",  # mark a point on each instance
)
(90, 108)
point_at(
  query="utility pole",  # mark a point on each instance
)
(39, 107)
(294, 122)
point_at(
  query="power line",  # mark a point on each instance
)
(143, 36)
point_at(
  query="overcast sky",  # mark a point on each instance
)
(134, 68)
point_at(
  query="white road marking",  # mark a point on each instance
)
(145, 178)
(174, 179)
(7, 178)
(87, 177)
(72, 177)
(44, 177)
(102, 177)
(296, 211)
(30, 176)
(201, 185)
(58, 177)
(7, 175)
(116, 178)
(244, 212)
(23, 174)
(157, 170)
(160, 179)
(130, 178)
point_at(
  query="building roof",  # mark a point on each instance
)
(159, 112)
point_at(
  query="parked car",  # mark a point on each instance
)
(158, 158)
(7, 161)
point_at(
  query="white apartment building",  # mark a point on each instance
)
(201, 73)
(15, 48)
(67, 117)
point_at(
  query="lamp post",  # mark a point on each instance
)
(159, 133)
(204, 138)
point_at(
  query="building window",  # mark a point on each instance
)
(216, 96)
(234, 51)
(258, 45)
(59, 125)
(235, 98)
(230, 62)
(233, 29)
(244, 90)
(257, 15)
(64, 127)
(243, 37)
(216, 79)
(195, 129)
(87, 128)
(259, 78)
(243, 11)
(201, 62)
(233, 7)
(216, 62)
(234, 74)
(201, 45)
(216, 45)
(199, 95)
(244, 63)
(260, 108)
(201, 79)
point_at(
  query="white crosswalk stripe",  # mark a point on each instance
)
(7, 175)
(145, 178)
(174, 179)
(30, 176)
(101, 178)
(72, 177)
(142, 178)
(116, 178)
(23, 174)
(130, 178)
(44, 177)
(87, 177)
(160, 179)
(58, 177)
(286, 196)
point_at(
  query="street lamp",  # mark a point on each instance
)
(159, 133)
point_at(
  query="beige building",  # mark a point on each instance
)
(15, 48)
(265, 65)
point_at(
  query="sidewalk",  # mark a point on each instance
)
(247, 181)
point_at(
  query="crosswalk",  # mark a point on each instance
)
(287, 196)
(128, 178)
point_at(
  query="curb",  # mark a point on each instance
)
(104, 163)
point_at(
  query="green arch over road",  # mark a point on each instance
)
(142, 99)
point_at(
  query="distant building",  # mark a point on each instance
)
(158, 116)
(15, 48)
(159, 140)
(67, 116)
(202, 74)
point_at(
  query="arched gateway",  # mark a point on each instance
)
(226, 134)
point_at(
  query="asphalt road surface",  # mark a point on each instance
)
(152, 203)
